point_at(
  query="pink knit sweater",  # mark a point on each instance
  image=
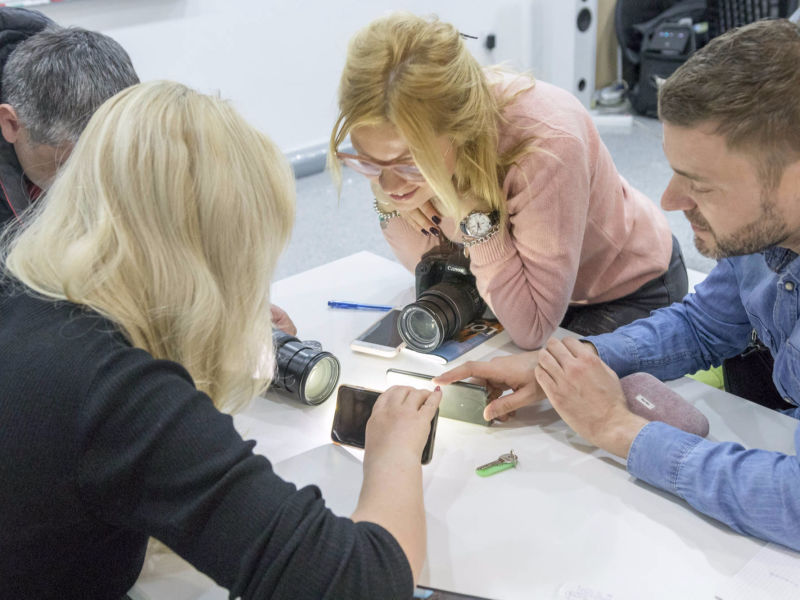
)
(577, 232)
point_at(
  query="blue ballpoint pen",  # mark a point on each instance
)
(358, 306)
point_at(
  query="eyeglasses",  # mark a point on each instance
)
(373, 168)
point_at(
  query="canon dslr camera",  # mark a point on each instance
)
(447, 300)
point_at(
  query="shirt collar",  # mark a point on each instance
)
(778, 258)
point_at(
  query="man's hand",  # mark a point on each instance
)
(587, 394)
(516, 373)
(282, 321)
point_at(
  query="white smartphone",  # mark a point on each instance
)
(382, 338)
(461, 400)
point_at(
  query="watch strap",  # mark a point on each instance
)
(484, 238)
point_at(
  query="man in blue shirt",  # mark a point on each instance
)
(731, 117)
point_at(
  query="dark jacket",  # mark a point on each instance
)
(16, 24)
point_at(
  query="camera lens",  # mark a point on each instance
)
(419, 327)
(303, 369)
(439, 313)
(321, 379)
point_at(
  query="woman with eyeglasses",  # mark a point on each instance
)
(137, 292)
(511, 170)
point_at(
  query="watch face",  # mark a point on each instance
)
(476, 224)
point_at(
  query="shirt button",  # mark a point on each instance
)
(788, 286)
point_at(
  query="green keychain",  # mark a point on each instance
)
(506, 461)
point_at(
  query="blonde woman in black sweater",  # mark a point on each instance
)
(136, 294)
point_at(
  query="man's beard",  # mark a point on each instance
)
(768, 229)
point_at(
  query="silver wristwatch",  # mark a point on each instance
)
(479, 224)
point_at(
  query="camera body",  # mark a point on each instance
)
(444, 265)
(447, 299)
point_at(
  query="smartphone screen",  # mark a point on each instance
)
(461, 400)
(382, 337)
(353, 409)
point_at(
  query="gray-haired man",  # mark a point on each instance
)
(52, 82)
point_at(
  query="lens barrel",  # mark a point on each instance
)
(439, 313)
(303, 369)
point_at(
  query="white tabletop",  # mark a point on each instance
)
(569, 513)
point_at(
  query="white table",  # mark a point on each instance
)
(568, 513)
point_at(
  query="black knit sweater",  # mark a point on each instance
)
(102, 446)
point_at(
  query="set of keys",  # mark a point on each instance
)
(505, 461)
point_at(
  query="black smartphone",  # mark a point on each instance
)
(353, 409)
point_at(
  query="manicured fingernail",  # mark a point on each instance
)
(438, 389)
(434, 231)
(436, 219)
(425, 231)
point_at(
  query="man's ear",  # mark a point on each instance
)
(9, 123)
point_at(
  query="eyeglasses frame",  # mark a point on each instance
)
(382, 165)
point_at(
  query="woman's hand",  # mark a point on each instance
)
(429, 216)
(426, 219)
(282, 321)
(426, 216)
(392, 491)
(400, 424)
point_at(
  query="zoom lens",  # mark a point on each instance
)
(303, 369)
(420, 328)
(321, 379)
(438, 314)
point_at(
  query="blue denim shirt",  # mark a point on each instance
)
(754, 491)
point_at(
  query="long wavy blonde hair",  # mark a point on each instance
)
(168, 219)
(418, 75)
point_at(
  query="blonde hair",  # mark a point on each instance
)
(417, 74)
(168, 219)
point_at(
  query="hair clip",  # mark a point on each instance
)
(466, 35)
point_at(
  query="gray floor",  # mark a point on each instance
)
(330, 226)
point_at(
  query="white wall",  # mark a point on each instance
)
(279, 62)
